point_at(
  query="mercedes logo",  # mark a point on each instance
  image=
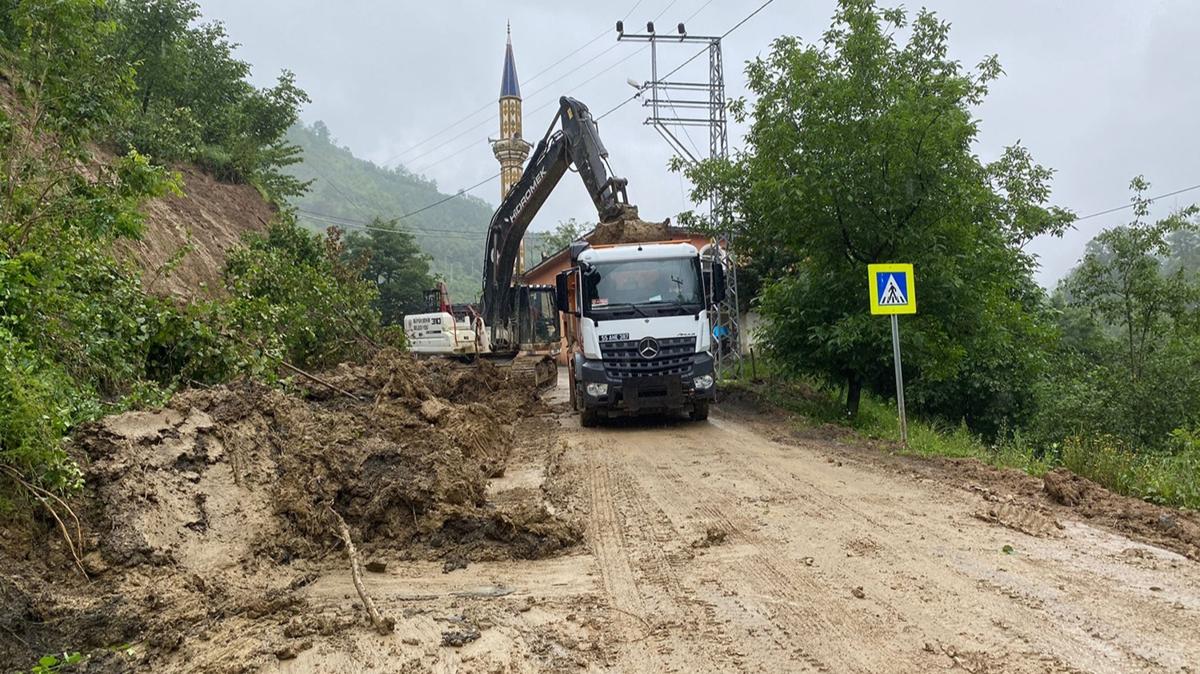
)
(648, 347)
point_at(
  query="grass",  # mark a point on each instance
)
(1166, 478)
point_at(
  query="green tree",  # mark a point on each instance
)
(1137, 379)
(859, 151)
(1121, 280)
(391, 259)
(566, 231)
(295, 297)
(193, 100)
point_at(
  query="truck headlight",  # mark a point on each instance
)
(597, 390)
(704, 381)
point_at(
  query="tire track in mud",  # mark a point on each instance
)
(793, 611)
(683, 628)
(793, 602)
(606, 540)
(1081, 637)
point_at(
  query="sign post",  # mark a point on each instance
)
(894, 292)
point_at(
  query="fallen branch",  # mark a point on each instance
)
(43, 496)
(382, 625)
(317, 379)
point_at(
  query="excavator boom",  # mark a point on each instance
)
(576, 142)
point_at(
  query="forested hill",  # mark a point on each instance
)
(346, 187)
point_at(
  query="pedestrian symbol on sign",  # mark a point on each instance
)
(892, 293)
(893, 290)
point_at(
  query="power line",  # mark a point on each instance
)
(544, 106)
(695, 56)
(489, 104)
(1131, 205)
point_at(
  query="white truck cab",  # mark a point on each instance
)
(637, 318)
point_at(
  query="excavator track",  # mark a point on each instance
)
(538, 371)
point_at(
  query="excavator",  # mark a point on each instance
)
(517, 324)
(636, 311)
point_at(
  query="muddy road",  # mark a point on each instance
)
(737, 546)
(503, 538)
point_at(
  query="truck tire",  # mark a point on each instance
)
(699, 411)
(588, 417)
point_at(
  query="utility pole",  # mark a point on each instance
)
(703, 105)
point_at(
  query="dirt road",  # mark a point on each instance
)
(735, 546)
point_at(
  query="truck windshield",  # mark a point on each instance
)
(673, 282)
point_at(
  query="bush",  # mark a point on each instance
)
(296, 298)
(38, 403)
(1166, 478)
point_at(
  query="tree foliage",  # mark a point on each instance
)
(79, 336)
(1130, 365)
(390, 259)
(550, 242)
(192, 100)
(859, 151)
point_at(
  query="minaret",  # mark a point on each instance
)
(510, 149)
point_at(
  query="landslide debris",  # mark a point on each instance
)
(215, 508)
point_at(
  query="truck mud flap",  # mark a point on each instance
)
(644, 393)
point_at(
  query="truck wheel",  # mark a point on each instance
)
(699, 411)
(588, 417)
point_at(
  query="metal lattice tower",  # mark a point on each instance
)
(695, 99)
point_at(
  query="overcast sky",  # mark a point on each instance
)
(1098, 90)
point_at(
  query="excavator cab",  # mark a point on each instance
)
(538, 330)
(532, 325)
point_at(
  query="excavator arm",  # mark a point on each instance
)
(577, 143)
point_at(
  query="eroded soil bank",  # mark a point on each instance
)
(209, 516)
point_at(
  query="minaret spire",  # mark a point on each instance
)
(510, 149)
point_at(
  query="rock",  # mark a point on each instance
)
(858, 593)
(94, 564)
(375, 566)
(712, 536)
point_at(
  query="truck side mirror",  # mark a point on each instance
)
(717, 280)
(562, 298)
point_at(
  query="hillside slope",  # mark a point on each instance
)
(186, 238)
(346, 187)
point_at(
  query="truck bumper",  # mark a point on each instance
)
(642, 394)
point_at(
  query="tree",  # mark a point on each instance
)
(859, 151)
(1140, 380)
(391, 259)
(564, 233)
(193, 100)
(1121, 280)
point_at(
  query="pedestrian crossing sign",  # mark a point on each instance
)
(893, 290)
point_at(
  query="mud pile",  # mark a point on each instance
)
(630, 228)
(217, 507)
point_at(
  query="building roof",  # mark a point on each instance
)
(508, 82)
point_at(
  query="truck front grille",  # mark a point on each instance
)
(622, 360)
